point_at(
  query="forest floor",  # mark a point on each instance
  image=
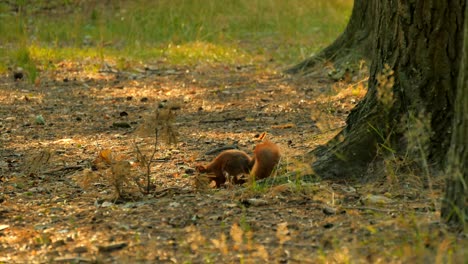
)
(62, 137)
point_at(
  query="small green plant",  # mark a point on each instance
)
(43, 239)
(418, 133)
(23, 59)
(243, 221)
(255, 187)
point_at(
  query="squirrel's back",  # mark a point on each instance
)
(266, 157)
(228, 163)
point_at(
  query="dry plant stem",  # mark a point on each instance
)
(156, 125)
(142, 158)
(155, 148)
(148, 161)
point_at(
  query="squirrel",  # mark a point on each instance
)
(232, 163)
(266, 157)
(235, 163)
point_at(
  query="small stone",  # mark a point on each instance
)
(106, 204)
(174, 204)
(40, 120)
(112, 247)
(18, 74)
(121, 125)
(256, 202)
(329, 210)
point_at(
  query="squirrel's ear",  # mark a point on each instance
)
(200, 168)
(262, 136)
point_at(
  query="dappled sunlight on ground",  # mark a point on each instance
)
(56, 206)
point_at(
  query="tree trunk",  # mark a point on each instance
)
(412, 83)
(353, 44)
(455, 204)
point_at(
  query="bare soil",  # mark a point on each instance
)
(50, 211)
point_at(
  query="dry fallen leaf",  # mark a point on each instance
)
(106, 155)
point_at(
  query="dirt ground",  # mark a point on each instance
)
(58, 205)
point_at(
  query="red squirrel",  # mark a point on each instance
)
(231, 163)
(266, 157)
(236, 163)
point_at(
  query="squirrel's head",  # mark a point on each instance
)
(200, 168)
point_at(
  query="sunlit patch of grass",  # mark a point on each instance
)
(195, 52)
(281, 31)
(183, 54)
(51, 54)
(3, 60)
(33, 58)
(190, 53)
(23, 59)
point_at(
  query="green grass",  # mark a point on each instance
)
(179, 31)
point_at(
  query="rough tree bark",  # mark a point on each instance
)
(353, 44)
(414, 70)
(455, 203)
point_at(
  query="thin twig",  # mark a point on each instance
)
(227, 119)
(64, 169)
